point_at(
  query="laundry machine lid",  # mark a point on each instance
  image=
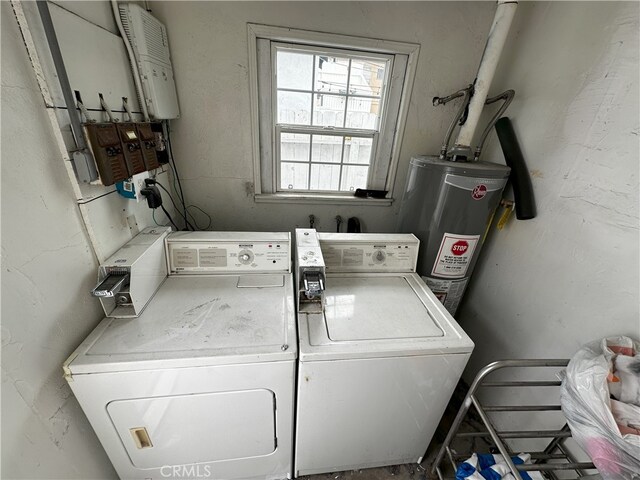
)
(377, 315)
(375, 308)
(198, 321)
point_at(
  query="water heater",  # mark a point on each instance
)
(450, 199)
(449, 207)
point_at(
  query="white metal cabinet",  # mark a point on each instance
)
(371, 412)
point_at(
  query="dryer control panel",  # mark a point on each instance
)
(369, 252)
(228, 252)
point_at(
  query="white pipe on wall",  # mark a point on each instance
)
(492, 51)
(132, 60)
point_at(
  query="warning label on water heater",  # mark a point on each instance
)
(449, 292)
(455, 254)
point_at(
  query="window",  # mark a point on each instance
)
(328, 112)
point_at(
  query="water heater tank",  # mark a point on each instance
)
(449, 207)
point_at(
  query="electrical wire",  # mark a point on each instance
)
(174, 175)
(174, 187)
(169, 217)
(194, 218)
(186, 220)
(172, 163)
(195, 221)
(153, 215)
(84, 202)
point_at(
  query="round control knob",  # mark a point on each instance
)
(245, 257)
(379, 256)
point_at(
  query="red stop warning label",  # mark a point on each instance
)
(460, 247)
(455, 255)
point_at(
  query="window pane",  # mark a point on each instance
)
(293, 176)
(294, 70)
(328, 110)
(326, 148)
(367, 77)
(354, 177)
(363, 113)
(294, 108)
(357, 150)
(332, 74)
(294, 147)
(324, 177)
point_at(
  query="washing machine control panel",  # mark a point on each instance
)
(199, 255)
(369, 252)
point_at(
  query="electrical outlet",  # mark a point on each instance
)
(138, 181)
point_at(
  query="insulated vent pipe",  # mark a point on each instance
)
(492, 51)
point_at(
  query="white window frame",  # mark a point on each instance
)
(384, 163)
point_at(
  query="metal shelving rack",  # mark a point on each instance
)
(555, 457)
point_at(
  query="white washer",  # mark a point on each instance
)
(378, 366)
(202, 383)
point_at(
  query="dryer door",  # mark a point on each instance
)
(188, 429)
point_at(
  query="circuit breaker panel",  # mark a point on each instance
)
(148, 145)
(122, 149)
(107, 152)
(131, 147)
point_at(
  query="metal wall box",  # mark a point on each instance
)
(131, 147)
(143, 259)
(148, 144)
(107, 151)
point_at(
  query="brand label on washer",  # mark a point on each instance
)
(455, 254)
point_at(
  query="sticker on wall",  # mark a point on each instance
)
(455, 254)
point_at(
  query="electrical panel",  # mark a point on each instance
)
(122, 150)
(150, 45)
(107, 152)
(131, 147)
(148, 145)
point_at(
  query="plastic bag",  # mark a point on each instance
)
(487, 466)
(587, 407)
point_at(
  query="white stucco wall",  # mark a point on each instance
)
(212, 139)
(47, 271)
(546, 286)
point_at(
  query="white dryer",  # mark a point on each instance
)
(379, 355)
(201, 384)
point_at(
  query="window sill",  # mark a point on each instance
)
(302, 198)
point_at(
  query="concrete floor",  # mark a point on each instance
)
(399, 472)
